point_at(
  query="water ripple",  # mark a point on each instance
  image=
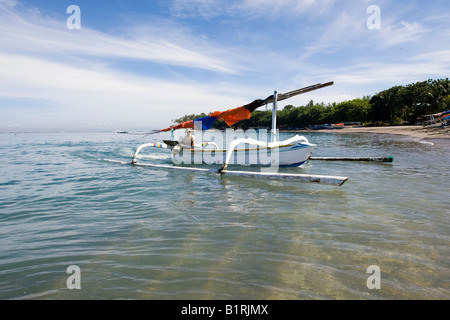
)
(138, 233)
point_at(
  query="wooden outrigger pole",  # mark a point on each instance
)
(322, 179)
(370, 159)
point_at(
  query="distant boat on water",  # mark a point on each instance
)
(326, 126)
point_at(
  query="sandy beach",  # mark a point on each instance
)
(413, 131)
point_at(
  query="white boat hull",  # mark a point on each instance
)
(291, 154)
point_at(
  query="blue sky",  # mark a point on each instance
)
(142, 63)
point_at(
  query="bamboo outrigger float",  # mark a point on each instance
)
(322, 179)
(369, 159)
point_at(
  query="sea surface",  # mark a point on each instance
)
(145, 233)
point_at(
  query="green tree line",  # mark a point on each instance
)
(394, 106)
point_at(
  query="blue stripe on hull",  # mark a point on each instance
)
(292, 165)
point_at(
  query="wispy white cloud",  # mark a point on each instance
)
(209, 9)
(393, 34)
(288, 7)
(376, 76)
(78, 95)
(346, 30)
(206, 9)
(33, 33)
(42, 64)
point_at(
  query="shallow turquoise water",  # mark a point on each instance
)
(142, 233)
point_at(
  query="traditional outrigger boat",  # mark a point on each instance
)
(437, 120)
(288, 153)
(292, 152)
(271, 153)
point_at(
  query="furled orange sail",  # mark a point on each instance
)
(232, 116)
(184, 125)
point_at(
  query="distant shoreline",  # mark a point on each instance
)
(413, 131)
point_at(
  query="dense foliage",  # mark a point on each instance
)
(397, 105)
(407, 103)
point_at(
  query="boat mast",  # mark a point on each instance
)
(274, 117)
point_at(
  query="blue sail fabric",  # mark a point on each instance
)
(207, 122)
